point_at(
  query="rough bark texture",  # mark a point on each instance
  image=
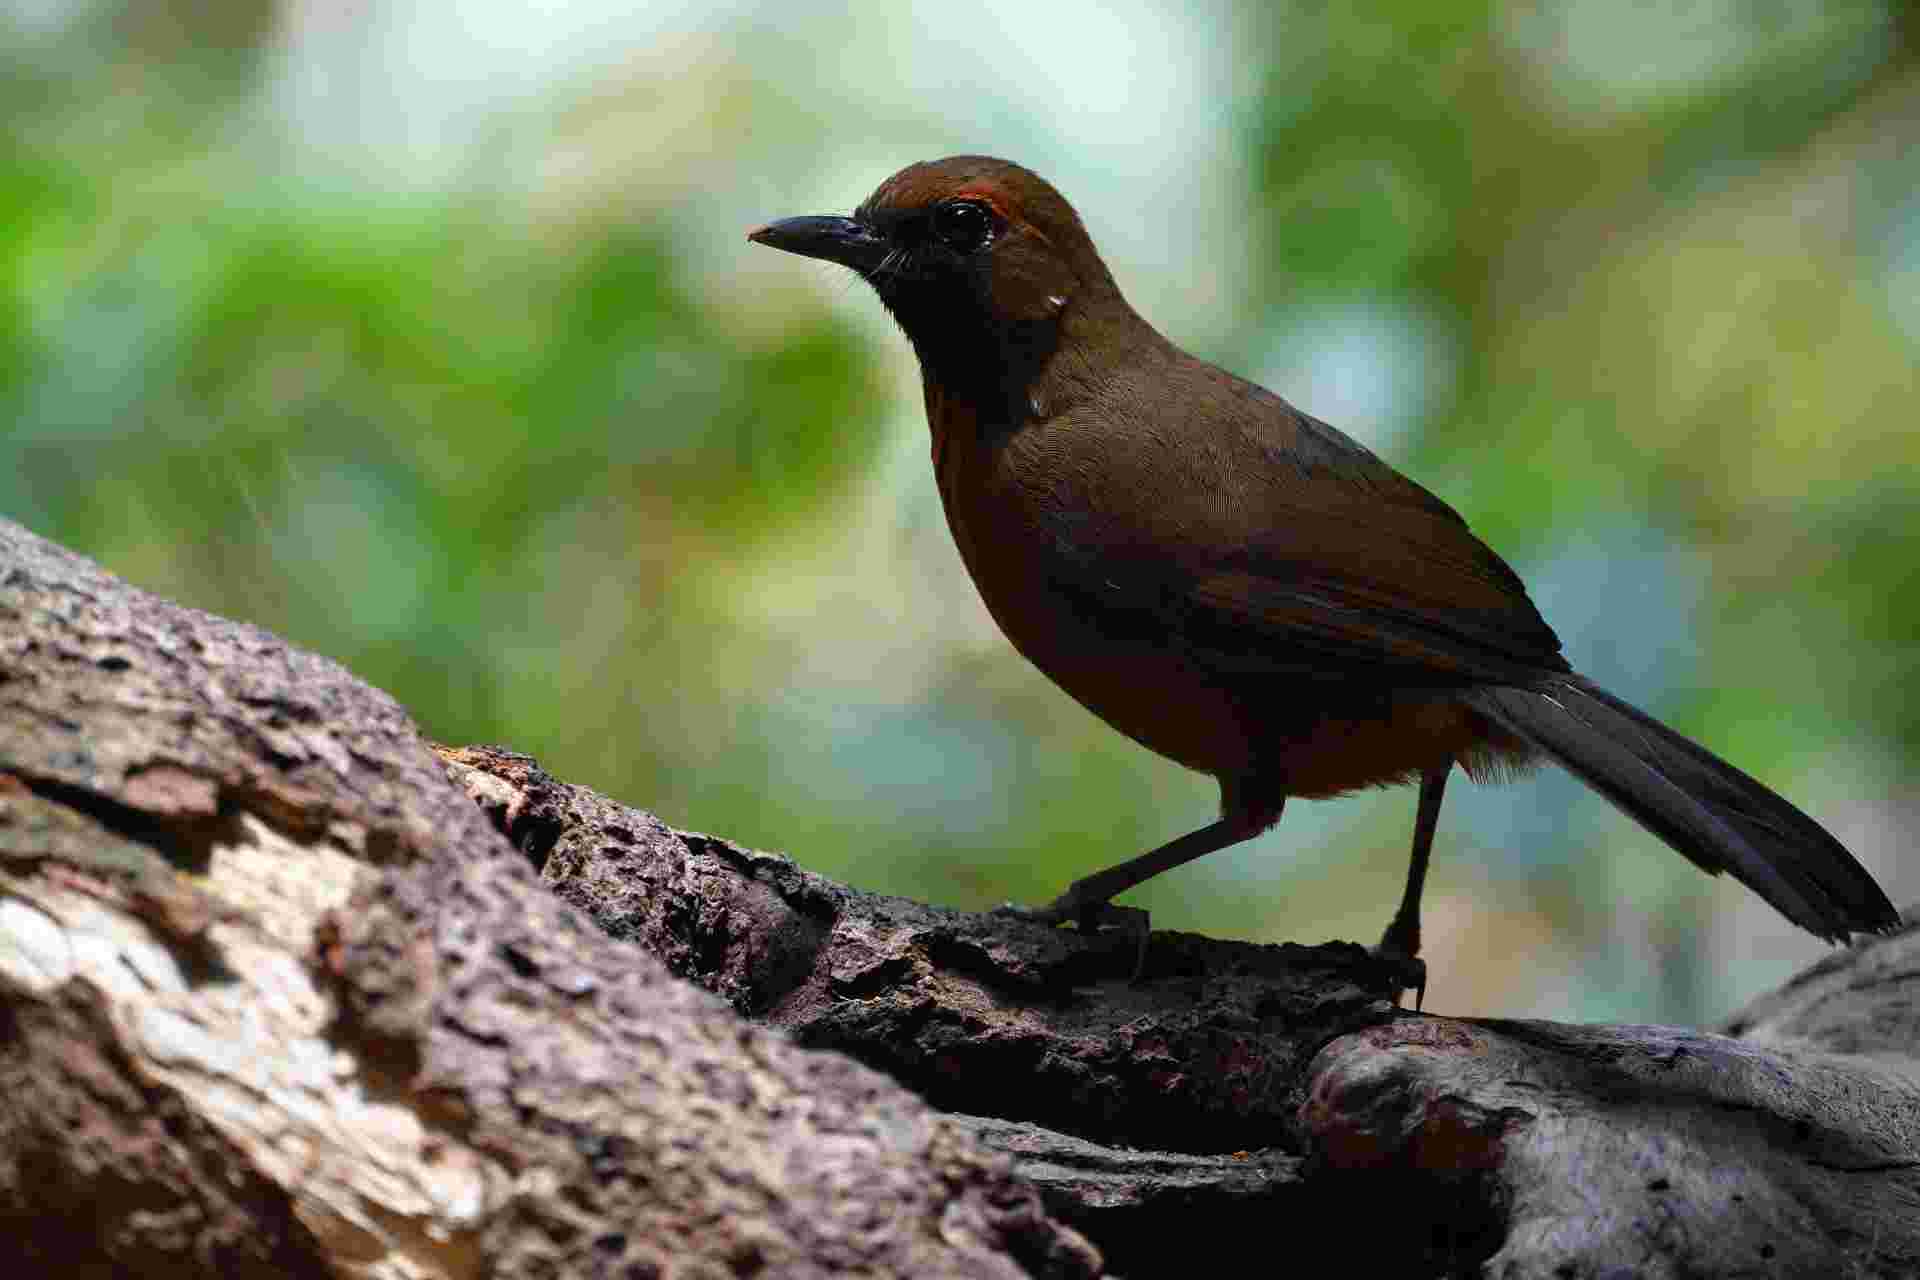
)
(278, 998)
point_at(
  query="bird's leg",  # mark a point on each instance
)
(1400, 944)
(1086, 900)
(1090, 893)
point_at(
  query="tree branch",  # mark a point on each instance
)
(277, 997)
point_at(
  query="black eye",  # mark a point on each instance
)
(963, 224)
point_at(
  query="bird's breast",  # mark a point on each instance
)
(1028, 512)
(1006, 507)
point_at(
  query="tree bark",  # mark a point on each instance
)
(282, 993)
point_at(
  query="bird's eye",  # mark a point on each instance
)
(963, 224)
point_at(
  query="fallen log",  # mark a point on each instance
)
(285, 989)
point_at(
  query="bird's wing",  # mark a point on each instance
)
(1259, 539)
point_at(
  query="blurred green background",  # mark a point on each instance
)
(424, 333)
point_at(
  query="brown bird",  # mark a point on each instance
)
(1237, 585)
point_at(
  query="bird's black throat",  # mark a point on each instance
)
(974, 356)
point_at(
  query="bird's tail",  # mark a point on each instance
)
(1720, 818)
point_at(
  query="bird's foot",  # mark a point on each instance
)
(1408, 971)
(1090, 918)
(1048, 915)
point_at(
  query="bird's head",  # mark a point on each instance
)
(978, 259)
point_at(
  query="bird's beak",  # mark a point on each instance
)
(840, 240)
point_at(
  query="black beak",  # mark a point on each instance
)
(841, 240)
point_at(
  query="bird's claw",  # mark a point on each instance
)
(1407, 972)
(1048, 915)
(1090, 918)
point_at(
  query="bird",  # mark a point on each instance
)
(1241, 587)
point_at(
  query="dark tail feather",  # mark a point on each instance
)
(1717, 816)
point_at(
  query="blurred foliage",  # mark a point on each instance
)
(357, 416)
(515, 451)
